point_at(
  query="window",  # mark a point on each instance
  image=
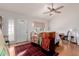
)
(38, 26)
(11, 30)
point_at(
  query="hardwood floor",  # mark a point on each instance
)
(67, 49)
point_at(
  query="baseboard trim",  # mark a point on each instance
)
(73, 42)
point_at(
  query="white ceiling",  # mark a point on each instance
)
(31, 9)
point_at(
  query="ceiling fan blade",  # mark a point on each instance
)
(50, 14)
(57, 11)
(49, 8)
(59, 7)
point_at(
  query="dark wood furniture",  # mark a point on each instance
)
(52, 45)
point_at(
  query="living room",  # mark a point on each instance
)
(26, 22)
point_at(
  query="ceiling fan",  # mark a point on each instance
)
(52, 9)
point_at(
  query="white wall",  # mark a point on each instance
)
(68, 19)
